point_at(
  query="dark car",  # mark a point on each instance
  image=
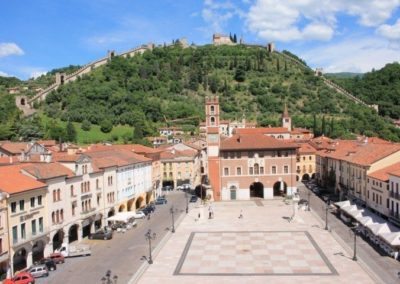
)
(161, 200)
(151, 207)
(193, 198)
(57, 257)
(101, 235)
(50, 263)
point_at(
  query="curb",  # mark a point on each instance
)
(346, 247)
(142, 269)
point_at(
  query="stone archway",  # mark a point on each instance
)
(280, 188)
(111, 212)
(19, 260)
(121, 208)
(149, 197)
(313, 176)
(305, 177)
(98, 221)
(257, 190)
(58, 239)
(139, 202)
(38, 251)
(73, 233)
(131, 203)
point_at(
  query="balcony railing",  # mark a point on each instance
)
(89, 211)
(395, 195)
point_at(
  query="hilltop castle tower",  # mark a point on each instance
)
(286, 119)
(213, 144)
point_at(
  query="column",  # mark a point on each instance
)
(48, 249)
(29, 259)
(92, 228)
(80, 233)
(66, 239)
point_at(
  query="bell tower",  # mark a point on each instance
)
(213, 144)
(286, 119)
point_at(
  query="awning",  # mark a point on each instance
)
(122, 217)
(393, 239)
(342, 203)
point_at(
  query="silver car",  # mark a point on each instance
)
(39, 271)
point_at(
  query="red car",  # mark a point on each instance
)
(21, 278)
(57, 257)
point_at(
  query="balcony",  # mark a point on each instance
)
(395, 195)
(88, 212)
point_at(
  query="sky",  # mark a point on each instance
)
(37, 36)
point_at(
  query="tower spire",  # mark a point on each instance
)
(285, 112)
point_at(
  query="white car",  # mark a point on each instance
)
(139, 215)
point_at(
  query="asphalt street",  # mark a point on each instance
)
(123, 254)
(386, 268)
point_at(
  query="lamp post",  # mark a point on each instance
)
(187, 202)
(326, 214)
(107, 279)
(355, 228)
(172, 210)
(308, 203)
(149, 236)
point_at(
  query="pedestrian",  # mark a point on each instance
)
(241, 214)
(199, 215)
(209, 214)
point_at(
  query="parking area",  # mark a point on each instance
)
(252, 242)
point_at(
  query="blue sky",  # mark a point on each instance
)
(338, 35)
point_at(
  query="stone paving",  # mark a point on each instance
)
(261, 247)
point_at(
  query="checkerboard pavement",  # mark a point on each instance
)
(261, 247)
(253, 253)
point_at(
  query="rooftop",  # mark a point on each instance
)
(254, 142)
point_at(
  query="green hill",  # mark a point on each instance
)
(380, 87)
(172, 82)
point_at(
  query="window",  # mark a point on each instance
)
(261, 170)
(39, 200)
(225, 155)
(58, 194)
(32, 202)
(15, 234)
(13, 207)
(226, 171)
(33, 223)
(238, 171)
(261, 154)
(232, 155)
(53, 217)
(256, 169)
(41, 224)
(286, 154)
(251, 154)
(304, 158)
(251, 170)
(72, 190)
(310, 158)
(212, 109)
(273, 170)
(62, 215)
(22, 205)
(54, 195)
(238, 155)
(212, 120)
(73, 209)
(97, 184)
(23, 232)
(286, 169)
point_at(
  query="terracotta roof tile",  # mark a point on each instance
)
(306, 148)
(261, 130)
(47, 170)
(383, 174)
(255, 141)
(115, 157)
(14, 148)
(10, 174)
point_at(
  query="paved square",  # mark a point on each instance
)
(253, 253)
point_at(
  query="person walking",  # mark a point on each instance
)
(241, 214)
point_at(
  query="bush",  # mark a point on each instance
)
(86, 125)
(106, 126)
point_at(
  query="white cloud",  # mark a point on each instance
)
(4, 74)
(217, 14)
(312, 19)
(10, 48)
(37, 73)
(391, 32)
(351, 55)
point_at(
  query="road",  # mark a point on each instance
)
(386, 268)
(123, 254)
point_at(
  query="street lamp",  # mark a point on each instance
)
(107, 279)
(149, 237)
(308, 203)
(172, 210)
(187, 202)
(355, 229)
(326, 214)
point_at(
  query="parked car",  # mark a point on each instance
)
(50, 263)
(57, 257)
(161, 200)
(193, 198)
(21, 278)
(39, 271)
(186, 186)
(139, 215)
(70, 250)
(101, 235)
(151, 207)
